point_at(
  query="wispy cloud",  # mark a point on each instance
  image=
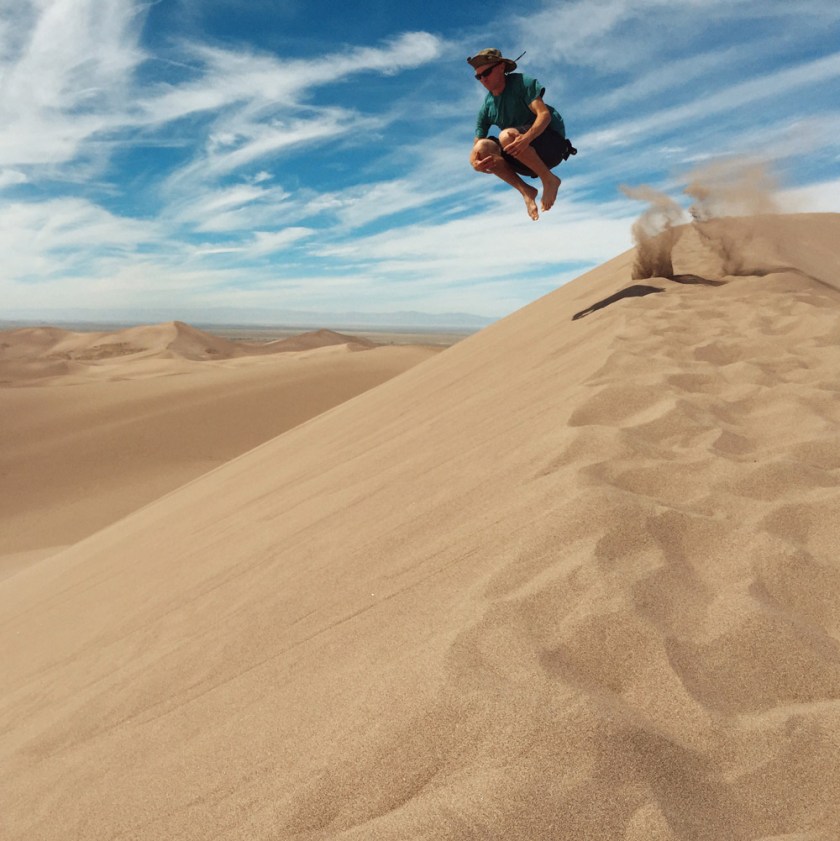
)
(612, 36)
(439, 253)
(258, 84)
(230, 209)
(65, 236)
(66, 75)
(9, 177)
(752, 92)
(271, 242)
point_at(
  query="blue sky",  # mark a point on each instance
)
(272, 155)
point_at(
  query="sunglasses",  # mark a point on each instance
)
(485, 73)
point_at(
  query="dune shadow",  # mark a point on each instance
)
(638, 290)
(696, 279)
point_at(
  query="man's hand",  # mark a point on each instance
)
(517, 146)
(487, 164)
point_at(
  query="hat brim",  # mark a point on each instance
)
(477, 61)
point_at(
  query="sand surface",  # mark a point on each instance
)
(575, 577)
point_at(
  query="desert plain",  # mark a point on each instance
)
(575, 577)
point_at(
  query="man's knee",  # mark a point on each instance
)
(484, 149)
(507, 136)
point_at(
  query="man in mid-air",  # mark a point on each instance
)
(532, 140)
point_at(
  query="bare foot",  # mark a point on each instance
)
(530, 196)
(550, 188)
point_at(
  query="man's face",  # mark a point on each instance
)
(492, 76)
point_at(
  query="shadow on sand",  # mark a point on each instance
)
(639, 290)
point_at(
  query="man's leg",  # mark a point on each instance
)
(486, 157)
(530, 158)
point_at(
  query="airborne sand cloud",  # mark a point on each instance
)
(736, 187)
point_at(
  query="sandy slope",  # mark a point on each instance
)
(573, 578)
(117, 428)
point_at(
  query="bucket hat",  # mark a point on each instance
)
(492, 56)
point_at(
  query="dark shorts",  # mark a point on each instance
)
(551, 146)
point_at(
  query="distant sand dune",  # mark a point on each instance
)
(87, 440)
(33, 353)
(319, 338)
(570, 579)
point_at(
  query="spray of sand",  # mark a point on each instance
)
(732, 188)
(729, 188)
(654, 232)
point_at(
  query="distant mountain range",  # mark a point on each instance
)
(242, 317)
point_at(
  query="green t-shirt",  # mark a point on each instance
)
(510, 108)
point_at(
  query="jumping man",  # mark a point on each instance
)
(532, 140)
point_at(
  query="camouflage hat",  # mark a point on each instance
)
(491, 56)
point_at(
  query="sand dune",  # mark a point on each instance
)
(32, 354)
(319, 338)
(574, 578)
(110, 432)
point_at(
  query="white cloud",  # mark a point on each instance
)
(750, 92)
(360, 205)
(140, 284)
(67, 78)
(258, 141)
(67, 223)
(52, 244)
(10, 177)
(618, 35)
(268, 242)
(412, 49)
(457, 250)
(260, 83)
(72, 82)
(238, 207)
(652, 83)
(822, 197)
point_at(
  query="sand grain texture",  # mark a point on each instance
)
(573, 578)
